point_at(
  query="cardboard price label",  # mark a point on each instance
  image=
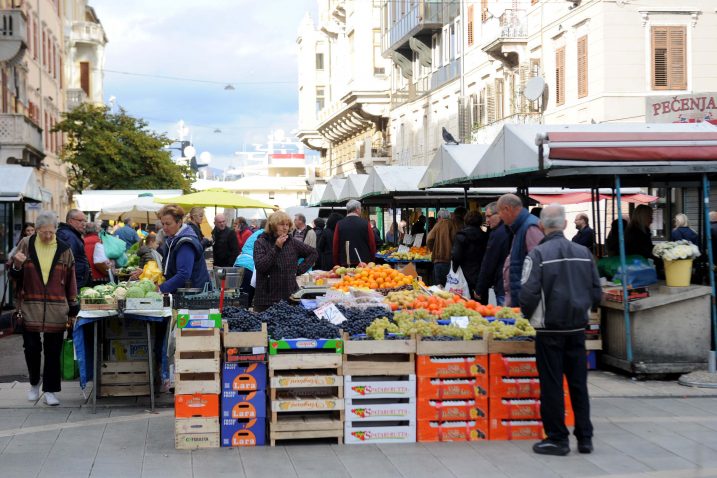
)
(331, 313)
(418, 240)
(460, 321)
(402, 249)
(408, 239)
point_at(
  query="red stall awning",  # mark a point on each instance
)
(580, 197)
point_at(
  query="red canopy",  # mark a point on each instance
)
(580, 197)
(643, 147)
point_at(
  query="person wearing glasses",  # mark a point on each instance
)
(71, 232)
(44, 273)
(497, 249)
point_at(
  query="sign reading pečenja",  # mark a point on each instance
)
(693, 108)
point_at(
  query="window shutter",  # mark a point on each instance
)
(499, 98)
(490, 104)
(85, 77)
(678, 58)
(469, 24)
(669, 58)
(582, 66)
(560, 76)
(522, 101)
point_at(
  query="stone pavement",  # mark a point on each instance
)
(644, 429)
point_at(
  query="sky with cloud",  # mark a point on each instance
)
(247, 43)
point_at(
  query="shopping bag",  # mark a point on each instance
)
(456, 283)
(68, 364)
(114, 246)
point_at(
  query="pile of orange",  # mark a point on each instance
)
(435, 305)
(420, 250)
(377, 277)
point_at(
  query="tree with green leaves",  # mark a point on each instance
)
(106, 150)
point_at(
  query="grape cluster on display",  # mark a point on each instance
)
(358, 320)
(241, 320)
(285, 321)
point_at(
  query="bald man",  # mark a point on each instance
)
(226, 246)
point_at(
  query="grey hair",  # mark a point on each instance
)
(681, 220)
(300, 217)
(444, 214)
(510, 200)
(353, 206)
(71, 213)
(48, 218)
(553, 217)
(492, 207)
(91, 228)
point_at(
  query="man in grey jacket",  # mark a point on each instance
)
(560, 284)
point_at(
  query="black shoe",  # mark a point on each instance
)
(547, 447)
(585, 445)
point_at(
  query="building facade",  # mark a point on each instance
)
(85, 41)
(343, 87)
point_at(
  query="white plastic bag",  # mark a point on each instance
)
(456, 283)
(252, 282)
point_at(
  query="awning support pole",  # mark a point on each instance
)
(465, 197)
(598, 235)
(395, 223)
(593, 198)
(623, 278)
(710, 257)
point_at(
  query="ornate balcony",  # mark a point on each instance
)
(506, 35)
(88, 32)
(420, 21)
(20, 141)
(13, 32)
(75, 97)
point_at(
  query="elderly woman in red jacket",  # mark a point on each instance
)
(44, 269)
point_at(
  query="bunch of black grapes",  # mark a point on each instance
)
(358, 319)
(241, 320)
(285, 321)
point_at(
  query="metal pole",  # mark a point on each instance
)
(623, 279)
(710, 257)
(395, 231)
(598, 236)
(465, 195)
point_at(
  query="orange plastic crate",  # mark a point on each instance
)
(506, 429)
(511, 387)
(434, 431)
(513, 365)
(452, 388)
(450, 366)
(204, 405)
(515, 408)
(442, 410)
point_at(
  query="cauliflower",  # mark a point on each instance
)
(89, 294)
(120, 293)
(135, 292)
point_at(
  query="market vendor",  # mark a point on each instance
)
(638, 240)
(276, 262)
(183, 254)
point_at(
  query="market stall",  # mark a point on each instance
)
(613, 156)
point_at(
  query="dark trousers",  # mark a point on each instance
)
(440, 272)
(246, 286)
(558, 355)
(51, 343)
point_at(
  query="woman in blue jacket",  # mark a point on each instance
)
(246, 260)
(683, 230)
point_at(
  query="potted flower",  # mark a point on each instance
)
(677, 257)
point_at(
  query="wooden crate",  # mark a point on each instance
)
(97, 304)
(379, 357)
(307, 427)
(124, 373)
(511, 346)
(305, 361)
(453, 347)
(190, 383)
(198, 340)
(244, 339)
(193, 441)
(197, 362)
(196, 425)
(306, 402)
(297, 380)
(129, 390)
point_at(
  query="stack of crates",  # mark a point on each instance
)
(196, 398)
(244, 388)
(515, 398)
(452, 397)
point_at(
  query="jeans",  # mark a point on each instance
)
(558, 355)
(500, 300)
(440, 271)
(51, 344)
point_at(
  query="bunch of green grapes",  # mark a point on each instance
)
(508, 313)
(459, 310)
(524, 328)
(422, 314)
(377, 329)
(501, 331)
(477, 327)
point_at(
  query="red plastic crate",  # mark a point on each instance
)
(512, 387)
(506, 429)
(450, 366)
(442, 410)
(513, 365)
(434, 431)
(515, 408)
(452, 388)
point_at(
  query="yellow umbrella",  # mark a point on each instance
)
(216, 199)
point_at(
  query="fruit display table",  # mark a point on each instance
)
(670, 331)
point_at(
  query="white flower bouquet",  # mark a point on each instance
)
(676, 250)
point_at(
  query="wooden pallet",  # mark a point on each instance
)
(197, 362)
(307, 427)
(379, 357)
(198, 340)
(244, 339)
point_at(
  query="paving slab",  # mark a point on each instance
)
(365, 459)
(255, 460)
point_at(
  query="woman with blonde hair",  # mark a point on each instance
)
(683, 230)
(276, 262)
(195, 219)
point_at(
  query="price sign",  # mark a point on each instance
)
(408, 239)
(331, 313)
(418, 240)
(402, 249)
(461, 321)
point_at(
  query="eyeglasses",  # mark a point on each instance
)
(488, 216)
(78, 220)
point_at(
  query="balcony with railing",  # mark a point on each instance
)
(424, 17)
(13, 32)
(75, 97)
(88, 32)
(502, 35)
(20, 141)
(445, 74)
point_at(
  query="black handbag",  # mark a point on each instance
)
(11, 321)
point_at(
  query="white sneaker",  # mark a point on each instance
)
(51, 399)
(34, 393)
